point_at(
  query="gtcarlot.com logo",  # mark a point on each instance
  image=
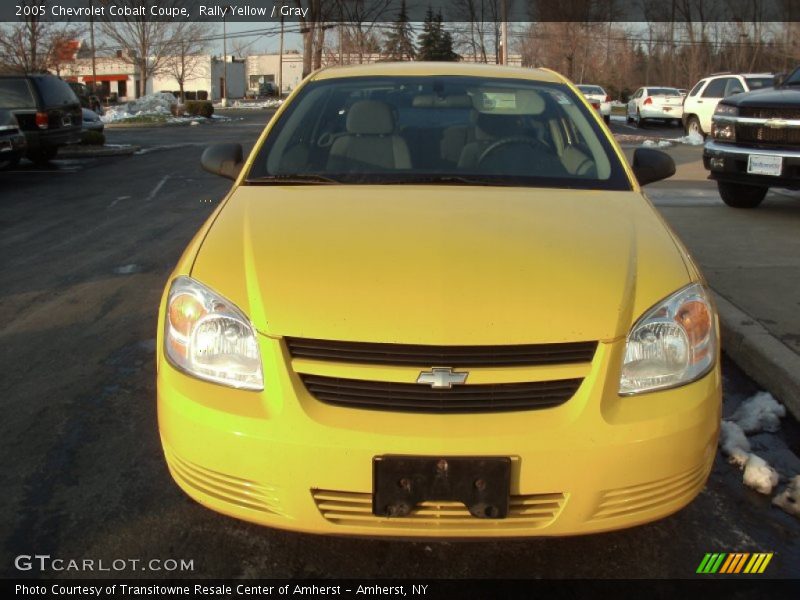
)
(45, 562)
(734, 563)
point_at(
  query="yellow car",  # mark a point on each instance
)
(435, 302)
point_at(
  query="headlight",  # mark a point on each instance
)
(673, 344)
(723, 131)
(208, 337)
(726, 110)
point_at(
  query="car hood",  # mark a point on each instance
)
(767, 97)
(440, 265)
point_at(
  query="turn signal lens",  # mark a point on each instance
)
(673, 344)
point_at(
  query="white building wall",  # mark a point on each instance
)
(267, 65)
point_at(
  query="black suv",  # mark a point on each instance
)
(755, 142)
(48, 111)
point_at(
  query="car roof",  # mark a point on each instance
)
(410, 69)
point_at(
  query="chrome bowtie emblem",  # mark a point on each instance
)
(442, 378)
(776, 123)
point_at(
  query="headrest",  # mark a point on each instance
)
(370, 117)
(431, 101)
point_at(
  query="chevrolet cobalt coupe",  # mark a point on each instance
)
(435, 302)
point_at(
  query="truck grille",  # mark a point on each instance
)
(759, 134)
(769, 113)
(454, 356)
(413, 397)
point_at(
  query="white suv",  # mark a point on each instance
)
(699, 105)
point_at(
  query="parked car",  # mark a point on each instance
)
(755, 143)
(48, 112)
(91, 121)
(87, 97)
(682, 91)
(598, 98)
(558, 375)
(12, 142)
(699, 104)
(664, 103)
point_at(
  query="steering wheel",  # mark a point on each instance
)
(519, 139)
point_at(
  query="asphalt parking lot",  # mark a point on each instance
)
(87, 245)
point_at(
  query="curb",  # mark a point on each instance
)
(761, 355)
(94, 152)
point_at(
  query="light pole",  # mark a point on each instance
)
(224, 90)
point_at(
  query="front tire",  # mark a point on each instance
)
(639, 121)
(741, 196)
(607, 119)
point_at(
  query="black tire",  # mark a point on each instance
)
(9, 163)
(639, 120)
(607, 119)
(741, 196)
(44, 156)
(693, 124)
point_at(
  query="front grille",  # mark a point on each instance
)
(532, 511)
(759, 134)
(769, 113)
(452, 356)
(414, 397)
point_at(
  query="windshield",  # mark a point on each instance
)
(793, 78)
(663, 92)
(463, 130)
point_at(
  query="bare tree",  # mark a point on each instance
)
(33, 45)
(184, 64)
(145, 43)
(362, 19)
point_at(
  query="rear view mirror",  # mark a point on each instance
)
(223, 159)
(652, 165)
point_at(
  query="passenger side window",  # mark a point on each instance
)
(716, 89)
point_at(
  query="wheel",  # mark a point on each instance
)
(607, 119)
(639, 120)
(9, 163)
(44, 156)
(741, 196)
(693, 126)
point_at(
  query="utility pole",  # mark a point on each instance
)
(280, 63)
(91, 36)
(224, 90)
(504, 31)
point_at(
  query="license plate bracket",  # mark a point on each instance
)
(401, 482)
(763, 164)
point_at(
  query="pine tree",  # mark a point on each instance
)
(398, 44)
(434, 42)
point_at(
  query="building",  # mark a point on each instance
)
(205, 77)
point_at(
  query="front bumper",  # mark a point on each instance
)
(282, 458)
(728, 163)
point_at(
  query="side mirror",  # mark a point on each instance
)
(652, 165)
(778, 80)
(223, 159)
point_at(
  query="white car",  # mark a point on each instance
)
(598, 98)
(699, 105)
(655, 102)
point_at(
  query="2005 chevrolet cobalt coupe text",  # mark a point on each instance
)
(435, 302)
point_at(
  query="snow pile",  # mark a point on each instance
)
(270, 103)
(656, 144)
(693, 139)
(158, 104)
(789, 499)
(759, 475)
(734, 443)
(760, 413)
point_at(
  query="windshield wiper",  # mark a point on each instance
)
(290, 178)
(446, 179)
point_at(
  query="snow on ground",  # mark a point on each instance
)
(734, 443)
(759, 413)
(759, 475)
(657, 144)
(693, 139)
(789, 499)
(158, 104)
(271, 103)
